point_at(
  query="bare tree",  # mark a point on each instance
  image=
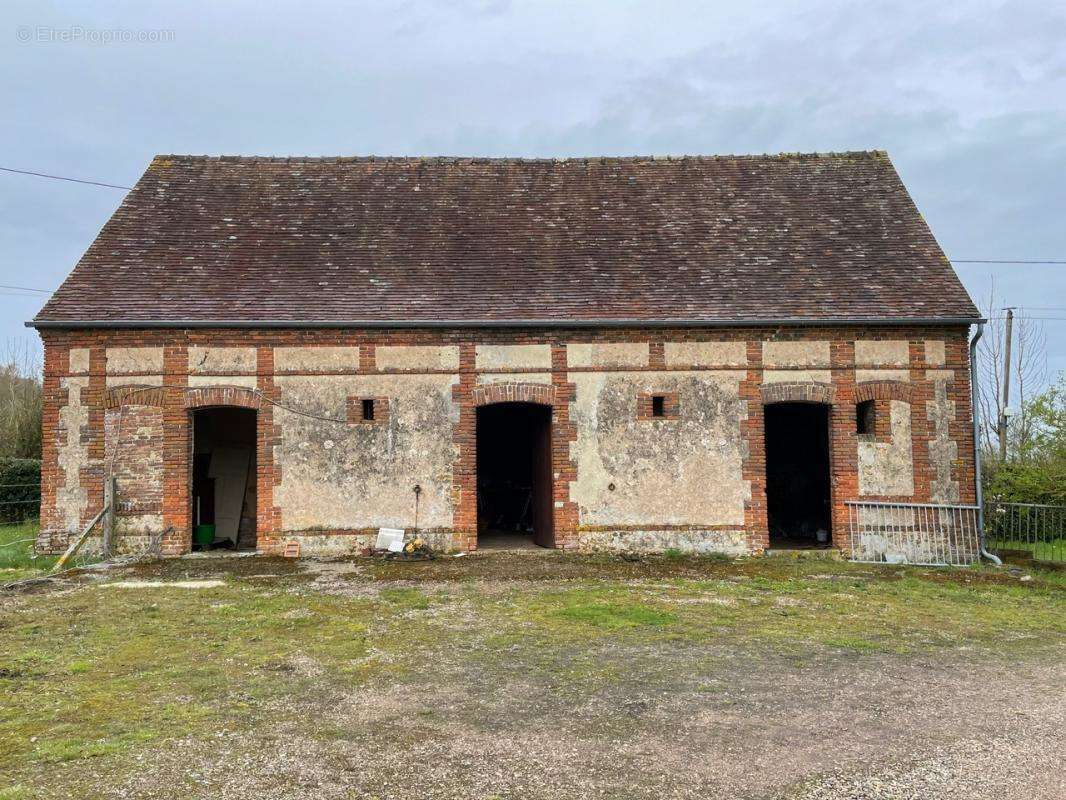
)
(20, 401)
(1028, 376)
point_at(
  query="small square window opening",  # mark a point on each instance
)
(658, 405)
(368, 410)
(865, 418)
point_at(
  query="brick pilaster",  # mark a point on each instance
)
(753, 434)
(94, 397)
(464, 470)
(564, 468)
(56, 364)
(177, 445)
(268, 525)
(843, 441)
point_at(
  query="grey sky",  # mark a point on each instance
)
(968, 98)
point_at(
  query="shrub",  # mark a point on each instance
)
(20, 488)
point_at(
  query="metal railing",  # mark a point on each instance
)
(1026, 529)
(913, 533)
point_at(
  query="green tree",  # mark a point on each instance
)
(20, 404)
(1038, 472)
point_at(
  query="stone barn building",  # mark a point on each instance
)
(708, 354)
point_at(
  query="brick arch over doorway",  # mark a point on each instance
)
(178, 445)
(539, 393)
(797, 393)
(837, 407)
(556, 396)
(234, 396)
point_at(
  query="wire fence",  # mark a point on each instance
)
(19, 502)
(1026, 529)
(913, 533)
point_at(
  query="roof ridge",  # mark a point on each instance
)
(366, 159)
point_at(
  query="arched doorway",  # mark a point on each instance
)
(798, 483)
(514, 475)
(223, 478)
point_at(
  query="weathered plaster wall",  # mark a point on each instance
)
(935, 352)
(316, 358)
(686, 471)
(139, 380)
(326, 545)
(687, 541)
(887, 468)
(796, 354)
(214, 360)
(943, 450)
(201, 381)
(514, 377)
(882, 352)
(148, 360)
(417, 357)
(799, 357)
(607, 354)
(797, 376)
(362, 475)
(73, 454)
(513, 356)
(79, 360)
(863, 375)
(705, 354)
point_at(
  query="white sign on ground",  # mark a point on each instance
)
(390, 539)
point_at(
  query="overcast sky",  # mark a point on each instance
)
(969, 99)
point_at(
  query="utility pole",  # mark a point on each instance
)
(1006, 388)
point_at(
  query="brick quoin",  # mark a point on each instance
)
(176, 401)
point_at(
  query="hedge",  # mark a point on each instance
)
(20, 488)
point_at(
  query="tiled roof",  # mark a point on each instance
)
(335, 240)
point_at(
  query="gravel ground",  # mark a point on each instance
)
(728, 720)
(890, 728)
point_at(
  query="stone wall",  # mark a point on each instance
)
(693, 479)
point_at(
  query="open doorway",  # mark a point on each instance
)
(798, 504)
(224, 479)
(514, 475)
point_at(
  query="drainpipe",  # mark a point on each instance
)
(976, 414)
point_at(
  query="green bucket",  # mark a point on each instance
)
(203, 534)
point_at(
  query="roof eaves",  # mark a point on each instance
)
(806, 322)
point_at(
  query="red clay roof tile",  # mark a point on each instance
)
(814, 237)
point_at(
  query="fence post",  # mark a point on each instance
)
(109, 515)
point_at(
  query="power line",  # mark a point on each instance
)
(1001, 261)
(129, 188)
(25, 288)
(1041, 319)
(61, 178)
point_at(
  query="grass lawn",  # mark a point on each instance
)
(107, 677)
(1052, 551)
(17, 559)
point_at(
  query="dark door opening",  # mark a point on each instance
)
(224, 478)
(798, 501)
(514, 475)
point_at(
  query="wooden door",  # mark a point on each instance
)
(543, 503)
